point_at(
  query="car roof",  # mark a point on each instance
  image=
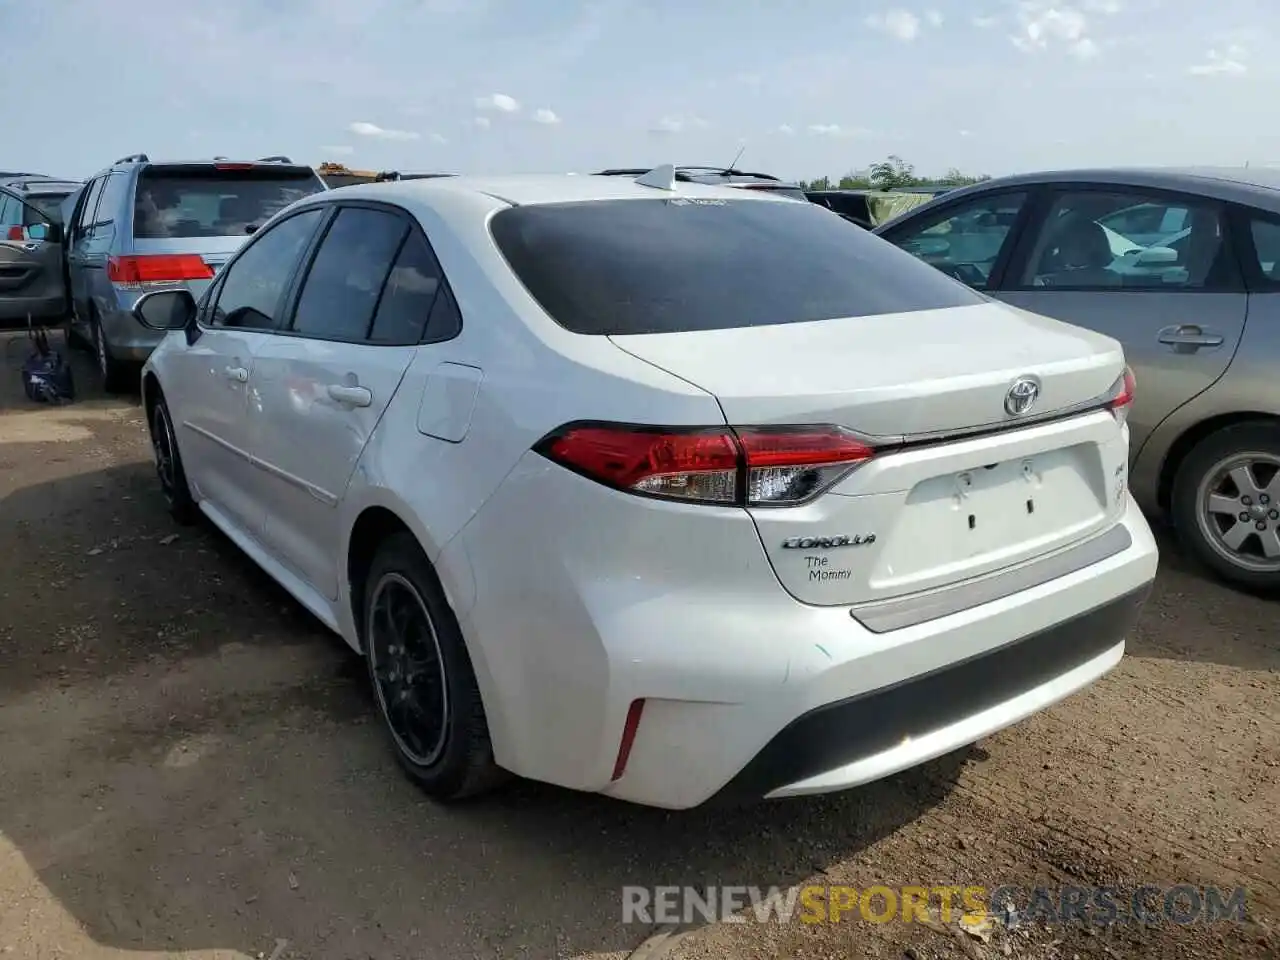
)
(527, 189)
(43, 186)
(1252, 186)
(136, 162)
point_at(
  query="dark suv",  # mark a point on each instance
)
(721, 176)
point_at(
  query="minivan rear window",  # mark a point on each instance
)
(202, 201)
(50, 204)
(673, 265)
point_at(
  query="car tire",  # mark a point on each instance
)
(1233, 467)
(111, 371)
(169, 468)
(427, 697)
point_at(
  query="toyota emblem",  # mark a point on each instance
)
(1021, 396)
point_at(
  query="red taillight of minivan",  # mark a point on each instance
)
(141, 269)
(742, 466)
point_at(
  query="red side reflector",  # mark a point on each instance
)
(158, 268)
(15, 233)
(233, 166)
(629, 730)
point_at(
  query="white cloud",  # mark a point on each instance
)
(1230, 62)
(365, 129)
(985, 23)
(902, 24)
(341, 149)
(787, 129)
(835, 130)
(934, 17)
(1108, 7)
(675, 124)
(439, 138)
(546, 117)
(1084, 49)
(498, 102)
(966, 133)
(482, 122)
(1042, 24)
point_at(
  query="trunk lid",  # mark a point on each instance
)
(888, 376)
(964, 488)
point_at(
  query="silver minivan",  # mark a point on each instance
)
(142, 225)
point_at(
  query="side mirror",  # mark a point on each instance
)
(165, 309)
(1157, 256)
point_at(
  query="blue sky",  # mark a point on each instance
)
(809, 87)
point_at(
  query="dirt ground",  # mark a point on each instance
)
(189, 768)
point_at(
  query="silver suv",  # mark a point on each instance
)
(142, 225)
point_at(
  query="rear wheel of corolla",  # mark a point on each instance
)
(1226, 504)
(169, 469)
(422, 676)
(111, 370)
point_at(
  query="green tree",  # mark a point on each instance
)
(893, 172)
(855, 180)
(956, 178)
(890, 173)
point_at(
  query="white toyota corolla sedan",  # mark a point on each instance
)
(665, 491)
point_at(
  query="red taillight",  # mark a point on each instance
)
(744, 466)
(1121, 396)
(792, 464)
(15, 233)
(629, 730)
(157, 268)
(233, 166)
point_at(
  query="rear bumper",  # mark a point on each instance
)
(863, 738)
(747, 692)
(128, 339)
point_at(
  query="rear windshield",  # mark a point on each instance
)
(204, 202)
(674, 265)
(50, 204)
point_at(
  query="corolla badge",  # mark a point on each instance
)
(828, 543)
(1021, 396)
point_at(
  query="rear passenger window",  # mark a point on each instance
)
(90, 207)
(407, 299)
(252, 286)
(341, 291)
(111, 200)
(1266, 243)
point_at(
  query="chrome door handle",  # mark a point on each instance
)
(1188, 335)
(238, 374)
(351, 396)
